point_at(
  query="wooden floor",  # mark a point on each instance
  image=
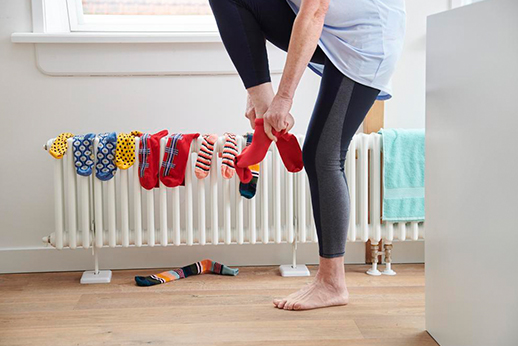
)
(54, 309)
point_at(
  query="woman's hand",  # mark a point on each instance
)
(278, 117)
(250, 111)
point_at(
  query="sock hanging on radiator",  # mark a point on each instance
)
(125, 152)
(205, 156)
(105, 167)
(59, 147)
(202, 267)
(149, 157)
(229, 155)
(248, 190)
(174, 163)
(83, 147)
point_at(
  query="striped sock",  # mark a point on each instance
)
(229, 155)
(202, 267)
(248, 190)
(205, 156)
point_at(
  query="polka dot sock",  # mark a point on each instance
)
(205, 156)
(59, 147)
(248, 190)
(84, 154)
(105, 167)
(229, 155)
(125, 152)
(202, 267)
(174, 163)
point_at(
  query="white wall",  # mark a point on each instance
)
(35, 107)
(407, 108)
(471, 175)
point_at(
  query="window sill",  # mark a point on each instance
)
(114, 37)
(135, 54)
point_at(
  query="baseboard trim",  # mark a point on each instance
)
(48, 259)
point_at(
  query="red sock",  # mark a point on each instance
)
(244, 173)
(256, 152)
(149, 156)
(177, 151)
(290, 151)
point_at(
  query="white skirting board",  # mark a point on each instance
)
(48, 259)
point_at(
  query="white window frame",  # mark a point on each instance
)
(80, 22)
(62, 48)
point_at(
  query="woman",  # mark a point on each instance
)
(353, 45)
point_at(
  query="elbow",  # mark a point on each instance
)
(314, 10)
(320, 12)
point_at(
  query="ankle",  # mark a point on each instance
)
(331, 272)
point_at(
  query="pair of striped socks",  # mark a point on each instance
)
(202, 267)
(206, 153)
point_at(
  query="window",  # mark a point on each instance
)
(129, 38)
(140, 16)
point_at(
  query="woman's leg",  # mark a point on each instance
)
(341, 106)
(244, 26)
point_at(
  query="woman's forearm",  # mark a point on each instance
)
(307, 29)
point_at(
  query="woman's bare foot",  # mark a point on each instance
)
(328, 289)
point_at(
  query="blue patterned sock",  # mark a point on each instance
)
(83, 154)
(105, 166)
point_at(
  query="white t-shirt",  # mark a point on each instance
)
(363, 39)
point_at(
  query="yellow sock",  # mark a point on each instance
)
(59, 147)
(125, 151)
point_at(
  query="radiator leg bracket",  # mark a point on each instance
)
(101, 277)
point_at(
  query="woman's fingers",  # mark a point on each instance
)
(250, 115)
(268, 130)
(290, 122)
(277, 121)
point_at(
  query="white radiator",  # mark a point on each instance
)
(118, 212)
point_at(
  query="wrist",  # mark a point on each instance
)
(284, 99)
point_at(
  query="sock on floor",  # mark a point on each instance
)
(202, 267)
(149, 157)
(83, 147)
(125, 152)
(174, 163)
(59, 146)
(248, 190)
(205, 156)
(105, 167)
(229, 155)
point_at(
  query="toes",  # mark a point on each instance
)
(282, 304)
(276, 302)
(288, 306)
(297, 306)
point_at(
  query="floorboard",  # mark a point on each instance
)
(54, 309)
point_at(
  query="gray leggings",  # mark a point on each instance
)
(340, 108)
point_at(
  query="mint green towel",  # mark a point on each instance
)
(403, 175)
